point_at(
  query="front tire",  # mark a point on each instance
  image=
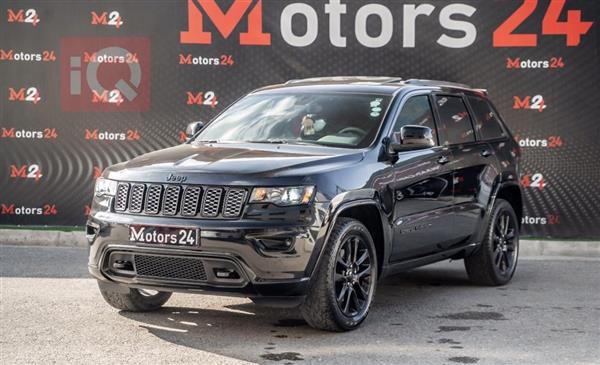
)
(495, 262)
(133, 300)
(343, 285)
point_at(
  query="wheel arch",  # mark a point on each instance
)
(369, 212)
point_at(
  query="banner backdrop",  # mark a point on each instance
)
(86, 84)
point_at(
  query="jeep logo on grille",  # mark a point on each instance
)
(176, 178)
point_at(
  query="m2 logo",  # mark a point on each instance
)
(32, 171)
(202, 98)
(23, 16)
(573, 28)
(534, 181)
(112, 97)
(225, 22)
(535, 102)
(105, 18)
(30, 94)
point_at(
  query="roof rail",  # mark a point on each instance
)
(436, 83)
(379, 79)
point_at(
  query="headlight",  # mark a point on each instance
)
(105, 187)
(289, 195)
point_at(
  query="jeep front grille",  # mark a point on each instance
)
(180, 200)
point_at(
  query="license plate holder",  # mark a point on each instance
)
(164, 235)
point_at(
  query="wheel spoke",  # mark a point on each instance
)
(510, 235)
(348, 297)
(508, 260)
(506, 218)
(341, 261)
(342, 293)
(362, 291)
(362, 258)
(355, 256)
(349, 252)
(354, 297)
(366, 271)
(504, 261)
(337, 277)
(497, 256)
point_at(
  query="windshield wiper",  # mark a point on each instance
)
(208, 141)
(271, 140)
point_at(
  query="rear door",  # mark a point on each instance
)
(422, 188)
(471, 164)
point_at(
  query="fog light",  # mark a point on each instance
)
(226, 273)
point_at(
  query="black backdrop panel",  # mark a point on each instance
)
(86, 84)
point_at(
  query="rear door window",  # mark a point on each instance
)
(454, 126)
(486, 121)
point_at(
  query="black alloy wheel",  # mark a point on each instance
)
(353, 274)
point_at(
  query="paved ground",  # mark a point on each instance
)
(51, 312)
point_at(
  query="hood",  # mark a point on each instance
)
(267, 160)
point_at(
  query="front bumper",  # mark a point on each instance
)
(248, 250)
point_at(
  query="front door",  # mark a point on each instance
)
(422, 189)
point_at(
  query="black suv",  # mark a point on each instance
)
(306, 193)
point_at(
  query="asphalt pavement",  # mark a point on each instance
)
(51, 312)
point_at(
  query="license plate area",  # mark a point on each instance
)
(163, 235)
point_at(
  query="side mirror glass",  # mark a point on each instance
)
(193, 128)
(413, 137)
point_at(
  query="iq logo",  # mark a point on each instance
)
(105, 74)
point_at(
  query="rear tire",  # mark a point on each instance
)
(133, 300)
(343, 284)
(495, 261)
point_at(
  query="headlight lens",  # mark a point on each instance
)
(289, 195)
(105, 187)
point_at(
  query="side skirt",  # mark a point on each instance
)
(457, 252)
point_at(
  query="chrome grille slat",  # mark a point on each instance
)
(171, 200)
(136, 198)
(180, 200)
(121, 197)
(191, 198)
(211, 202)
(234, 202)
(153, 195)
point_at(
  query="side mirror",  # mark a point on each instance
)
(193, 128)
(413, 137)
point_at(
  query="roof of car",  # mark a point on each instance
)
(366, 84)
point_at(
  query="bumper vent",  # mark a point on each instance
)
(180, 200)
(170, 267)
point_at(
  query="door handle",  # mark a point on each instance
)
(485, 153)
(443, 160)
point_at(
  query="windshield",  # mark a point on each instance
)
(341, 120)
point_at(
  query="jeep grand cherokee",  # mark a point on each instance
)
(306, 193)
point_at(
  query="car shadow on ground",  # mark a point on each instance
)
(253, 333)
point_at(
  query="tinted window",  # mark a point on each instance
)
(344, 120)
(455, 124)
(416, 111)
(486, 121)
